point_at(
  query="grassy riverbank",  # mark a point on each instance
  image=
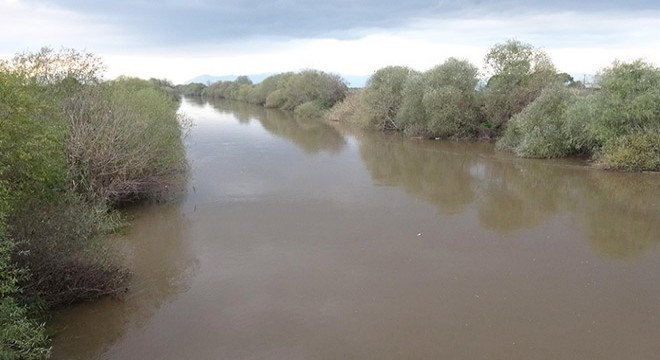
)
(72, 147)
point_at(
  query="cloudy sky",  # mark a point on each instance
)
(180, 39)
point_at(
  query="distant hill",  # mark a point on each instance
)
(352, 80)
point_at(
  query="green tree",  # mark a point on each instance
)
(48, 66)
(442, 102)
(519, 72)
(626, 116)
(540, 130)
(313, 85)
(383, 95)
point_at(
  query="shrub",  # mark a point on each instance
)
(310, 109)
(192, 89)
(48, 67)
(276, 99)
(450, 101)
(348, 110)
(441, 102)
(411, 117)
(124, 142)
(21, 337)
(261, 91)
(577, 127)
(628, 101)
(539, 130)
(633, 152)
(519, 72)
(312, 85)
(383, 96)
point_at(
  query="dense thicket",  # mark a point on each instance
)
(308, 93)
(619, 124)
(532, 109)
(71, 146)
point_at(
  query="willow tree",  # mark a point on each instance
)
(518, 73)
(383, 95)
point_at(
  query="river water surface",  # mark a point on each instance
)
(298, 239)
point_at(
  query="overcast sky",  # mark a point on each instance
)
(180, 39)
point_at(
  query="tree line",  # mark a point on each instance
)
(525, 104)
(520, 100)
(308, 93)
(72, 148)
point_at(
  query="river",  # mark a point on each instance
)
(298, 239)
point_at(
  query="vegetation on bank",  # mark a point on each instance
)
(71, 148)
(308, 93)
(520, 100)
(525, 104)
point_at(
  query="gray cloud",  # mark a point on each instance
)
(176, 22)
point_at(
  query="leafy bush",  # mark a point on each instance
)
(276, 99)
(624, 116)
(450, 101)
(125, 140)
(411, 117)
(261, 91)
(50, 67)
(30, 166)
(383, 96)
(628, 100)
(519, 72)
(633, 152)
(312, 85)
(577, 127)
(192, 89)
(21, 337)
(539, 130)
(441, 102)
(310, 109)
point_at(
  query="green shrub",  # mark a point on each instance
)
(412, 117)
(441, 102)
(29, 167)
(310, 109)
(628, 100)
(519, 72)
(312, 85)
(383, 96)
(450, 101)
(539, 130)
(192, 89)
(124, 142)
(21, 337)
(261, 91)
(633, 152)
(276, 99)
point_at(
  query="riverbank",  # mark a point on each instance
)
(520, 100)
(72, 148)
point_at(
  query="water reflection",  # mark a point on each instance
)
(163, 267)
(310, 135)
(620, 212)
(440, 175)
(332, 256)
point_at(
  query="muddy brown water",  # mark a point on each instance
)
(297, 239)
